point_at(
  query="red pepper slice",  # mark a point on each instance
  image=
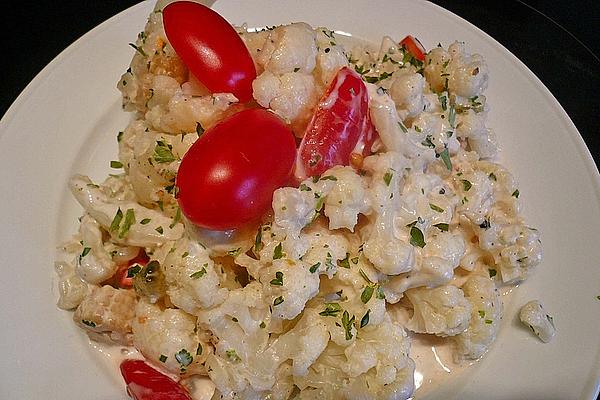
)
(414, 47)
(341, 125)
(146, 383)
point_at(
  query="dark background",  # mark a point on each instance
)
(558, 40)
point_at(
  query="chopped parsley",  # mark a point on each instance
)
(278, 301)
(138, 49)
(145, 221)
(199, 349)
(452, 116)
(492, 272)
(445, 156)
(486, 224)
(278, 252)
(387, 178)
(466, 185)
(85, 252)
(347, 323)
(331, 310)
(329, 178)
(129, 220)
(443, 101)
(481, 313)
(232, 355)
(365, 319)
(116, 164)
(442, 227)
(278, 280)
(114, 226)
(313, 268)
(91, 324)
(488, 321)
(263, 325)
(184, 357)
(515, 193)
(344, 263)
(427, 142)
(492, 176)
(436, 208)
(367, 293)
(416, 237)
(401, 125)
(176, 218)
(199, 274)
(304, 188)
(162, 358)
(159, 230)
(163, 153)
(120, 136)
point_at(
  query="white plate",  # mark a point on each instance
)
(66, 121)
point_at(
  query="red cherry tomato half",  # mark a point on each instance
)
(341, 125)
(414, 47)
(146, 383)
(228, 176)
(121, 278)
(210, 48)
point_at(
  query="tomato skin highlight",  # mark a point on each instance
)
(228, 176)
(211, 48)
(414, 47)
(340, 125)
(146, 383)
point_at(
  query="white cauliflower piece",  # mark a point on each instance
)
(330, 57)
(192, 282)
(292, 95)
(486, 313)
(290, 284)
(94, 265)
(106, 313)
(523, 251)
(475, 190)
(347, 199)
(71, 288)
(289, 48)
(538, 320)
(183, 112)
(104, 210)
(462, 74)
(385, 246)
(375, 366)
(442, 311)
(407, 92)
(168, 338)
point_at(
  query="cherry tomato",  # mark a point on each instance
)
(228, 176)
(340, 126)
(121, 278)
(414, 47)
(146, 383)
(211, 48)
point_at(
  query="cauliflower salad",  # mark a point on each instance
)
(411, 232)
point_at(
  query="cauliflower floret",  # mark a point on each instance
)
(486, 313)
(122, 219)
(184, 112)
(72, 289)
(522, 252)
(475, 190)
(330, 58)
(375, 366)
(292, 96)
(290, 284)
(168, 338)
(289, 48)
(538, 320)
(460, 73)
(442, 311)
(192, 282)
(94, 265)
(347, 199)
(107, 313)
(407, 93)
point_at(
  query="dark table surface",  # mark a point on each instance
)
(558, 41)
